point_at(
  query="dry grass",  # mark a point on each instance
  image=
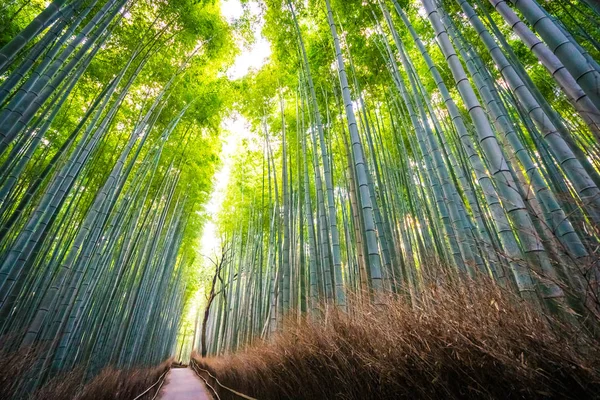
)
(13, 364)
(462, 342)
(124, 384)
(109, 384)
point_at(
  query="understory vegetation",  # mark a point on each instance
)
(108, 384)
(471, 340)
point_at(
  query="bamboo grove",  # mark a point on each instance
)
(400, 141)
(109, 110)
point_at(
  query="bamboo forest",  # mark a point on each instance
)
(299, 199)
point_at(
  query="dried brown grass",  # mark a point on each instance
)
(123, 384)
(14, 365)
(109, 384)
(467, 341)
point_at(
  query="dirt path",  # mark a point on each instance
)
(183, 384)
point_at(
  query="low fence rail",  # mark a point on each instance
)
(160, 380)
(196, 368)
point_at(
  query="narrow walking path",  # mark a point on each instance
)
(183, 384)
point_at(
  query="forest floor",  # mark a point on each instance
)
(183, 384)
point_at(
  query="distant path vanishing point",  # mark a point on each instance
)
(183, 384)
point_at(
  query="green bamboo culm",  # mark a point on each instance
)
(447, 149)
(98, 199)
